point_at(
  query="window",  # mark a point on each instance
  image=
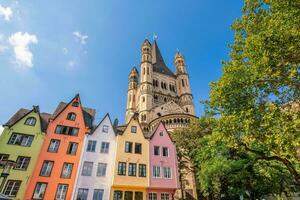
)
(21, 139)
(105, 129)
(182, 82)
(138, 196)
(61, 192)
(142, 170)
(118, 195)
(101, 171)
(156, 150)
(161, 133)
(98, 194)
(128, 147)
(67, 170)
(133, 129)
(30, 121)
(87, 168)
(39, 191)
(72, 148)
(132, 169)
(3, 157)
(122, 168)
(46, 168)
(156, 171)
(165, 196)
(75, 104)
(167, 172)
(22, 163)
(152, 196)
(66, 130)
(12, 187)
(91, 146)
(128, 195)
(53, 146)
(104, 147)
(138, 148)
(71, 116)
(165, 151)
(82, 194)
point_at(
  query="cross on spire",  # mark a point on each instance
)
(155, 36)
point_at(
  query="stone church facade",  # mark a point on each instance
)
(158, 94)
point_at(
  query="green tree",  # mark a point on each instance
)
(247, 143)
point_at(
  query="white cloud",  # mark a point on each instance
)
(80, 37)
(20, 42)
(6, 12)
(1, 129)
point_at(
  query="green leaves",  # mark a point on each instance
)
(247, 142)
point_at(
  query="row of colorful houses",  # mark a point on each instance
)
(65, 156)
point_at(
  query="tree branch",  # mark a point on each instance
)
(285, 161)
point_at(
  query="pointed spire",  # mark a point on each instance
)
(156, 55)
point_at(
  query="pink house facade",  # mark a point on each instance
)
(163, 166)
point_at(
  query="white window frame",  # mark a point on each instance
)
(101, 169)
(67, 170)
(105, 128)
(152, 196)
(40, 193)
(61, 192)
(156, 173)
(162, 149)
(169, 172)
(105, 150)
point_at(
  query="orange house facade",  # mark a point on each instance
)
(55, 172)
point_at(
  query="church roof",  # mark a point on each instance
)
(158, 62)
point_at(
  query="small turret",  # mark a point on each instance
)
(132, 93)
(183, 84)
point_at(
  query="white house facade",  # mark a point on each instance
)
(94, 179)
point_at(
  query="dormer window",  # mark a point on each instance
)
(30, 121)
(71, 116)
(75, 104)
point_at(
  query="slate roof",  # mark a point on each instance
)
(158, 62)
(22, 112)
(88, 113)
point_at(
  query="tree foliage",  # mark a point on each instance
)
(247, 142)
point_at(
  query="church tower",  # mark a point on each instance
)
(131, 107)
(183, 85)
(146, 87)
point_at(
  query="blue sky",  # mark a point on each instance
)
(51, 50)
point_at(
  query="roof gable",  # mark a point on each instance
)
(107, 116)
(88, 113)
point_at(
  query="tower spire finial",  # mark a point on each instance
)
(155, 36)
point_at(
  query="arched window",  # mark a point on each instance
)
(182, 82)
(187, 110)
(71, 116)
(133, 98)
(143, 70)
(162, 85)
(148, 70)
(75, 104)
(165, 99)
(30, 121)
(143, 99)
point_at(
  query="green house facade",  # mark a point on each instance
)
(21, 140)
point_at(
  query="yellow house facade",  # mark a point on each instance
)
(131, 176)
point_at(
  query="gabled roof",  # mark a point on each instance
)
(153, 133)
(121, 129)
(22, 112)
(88, 113)
(107, 115)
(158, 62)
